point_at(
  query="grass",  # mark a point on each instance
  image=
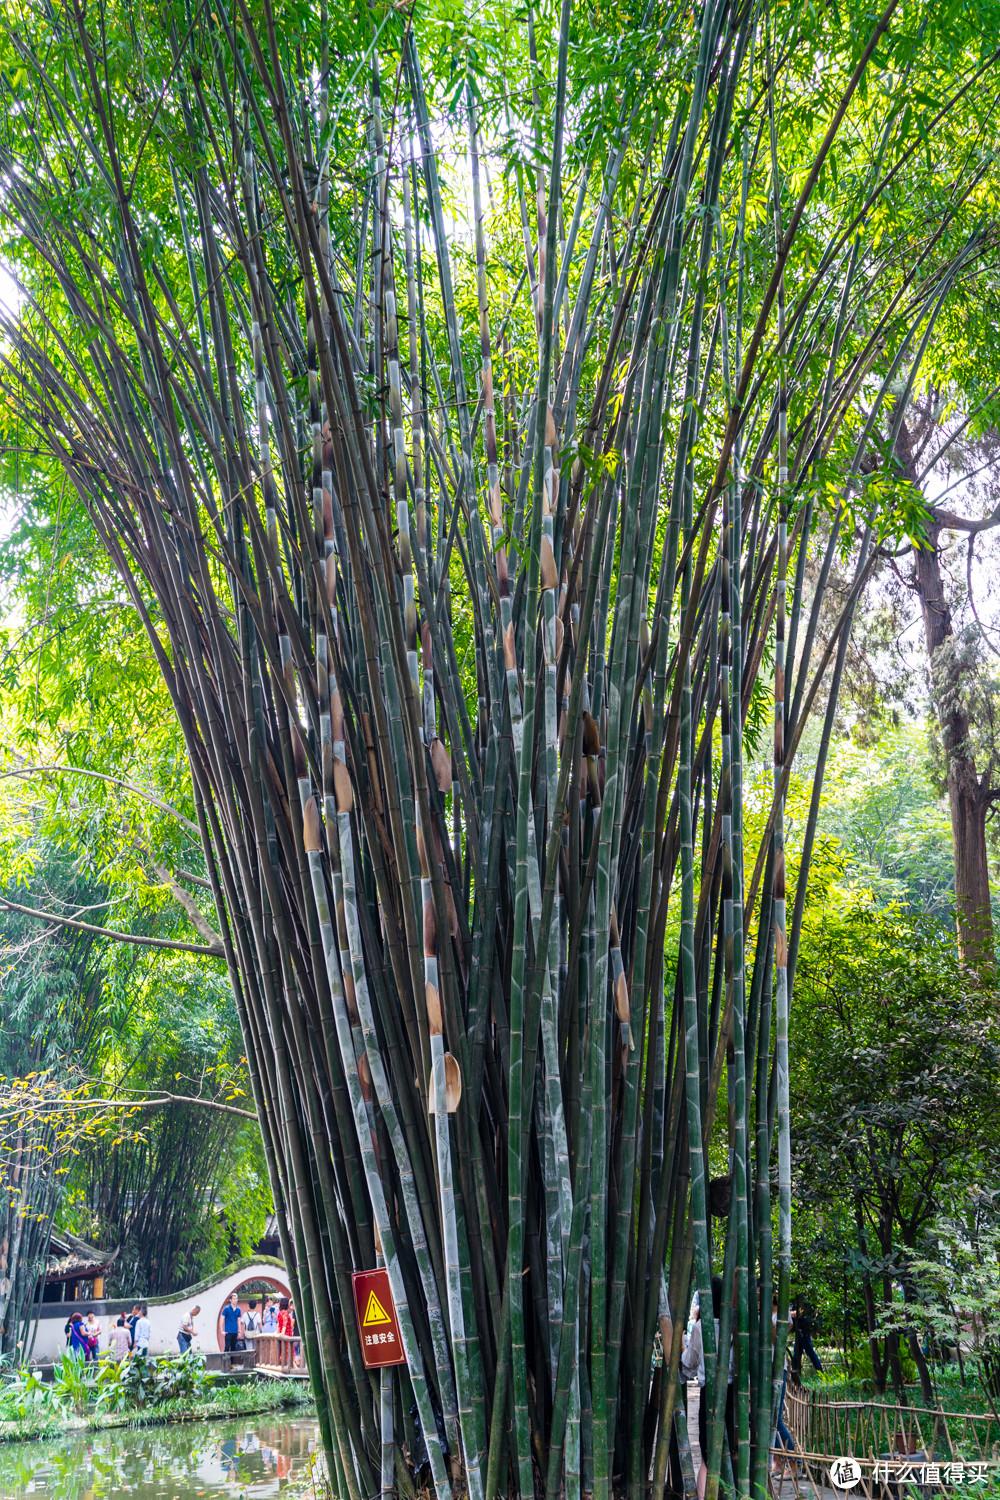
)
(248, 1399)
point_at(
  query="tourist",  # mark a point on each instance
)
(142, 1333)
(284, 1318)
(296, 1348)
(120, 1340)
(251, 1324)
(79, 1343)
(781, 1435)
(185, 1334)
(270, 1321)
(693, 1358)
(232, 1322)
(93, 1330)
(133, 1319)
(730, 1410)
(692, 1365)
(802, 1343)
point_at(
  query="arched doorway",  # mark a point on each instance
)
(256, 1288)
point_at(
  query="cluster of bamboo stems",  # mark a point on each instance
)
(509, 971)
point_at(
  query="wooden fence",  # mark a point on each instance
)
(873, 1429)
(885, 1440)
(280, 1354)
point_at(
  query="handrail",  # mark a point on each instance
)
(820, 1398)
(280, 1351)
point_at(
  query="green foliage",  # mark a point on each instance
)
(133, 1384)
(183, 1379)
(115, 1021)
(156, 430)
(136, 1382)
(882, 805)
(87, 1018)
(957, 1276)
(72, 1383)
(112, 1389)
(25, 1397)
(895, 1058)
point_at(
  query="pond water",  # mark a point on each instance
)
(246, 1457)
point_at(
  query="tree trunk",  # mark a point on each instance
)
(871, 1319)
(913, 1336)
(923, 1373)
(968, 798)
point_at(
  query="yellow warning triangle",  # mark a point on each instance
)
(375, 1312)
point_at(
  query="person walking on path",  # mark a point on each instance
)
(133, 1319)
(702, 1479)
(693, 1358)
(781, 1434)
(270, 1323)
(804, 1329)
(143, 1332)
(119, 1340)
(284, 1318)
(185, 1333)
(232, 1322)
(692, 1371)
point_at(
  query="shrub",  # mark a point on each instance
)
(71, 1383)
(184, 1378)
(25, 1396)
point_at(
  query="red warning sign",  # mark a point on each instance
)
(377, 1322)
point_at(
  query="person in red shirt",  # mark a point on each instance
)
(284, 1317)
(296, 1347)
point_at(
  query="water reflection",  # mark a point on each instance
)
(191, 1461)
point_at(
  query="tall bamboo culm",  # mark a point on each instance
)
(469, 639)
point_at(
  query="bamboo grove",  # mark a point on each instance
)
(478, 631)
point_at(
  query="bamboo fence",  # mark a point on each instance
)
(875, 1429)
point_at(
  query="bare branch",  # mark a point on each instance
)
(951, 521)
(159, 1101)
(128, 786)
(190, 905)
(216, 951)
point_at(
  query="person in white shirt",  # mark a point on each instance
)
(143, 1333)
(185, 1334)
(693, 1367)
(251, 1324)
(93, 1328)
